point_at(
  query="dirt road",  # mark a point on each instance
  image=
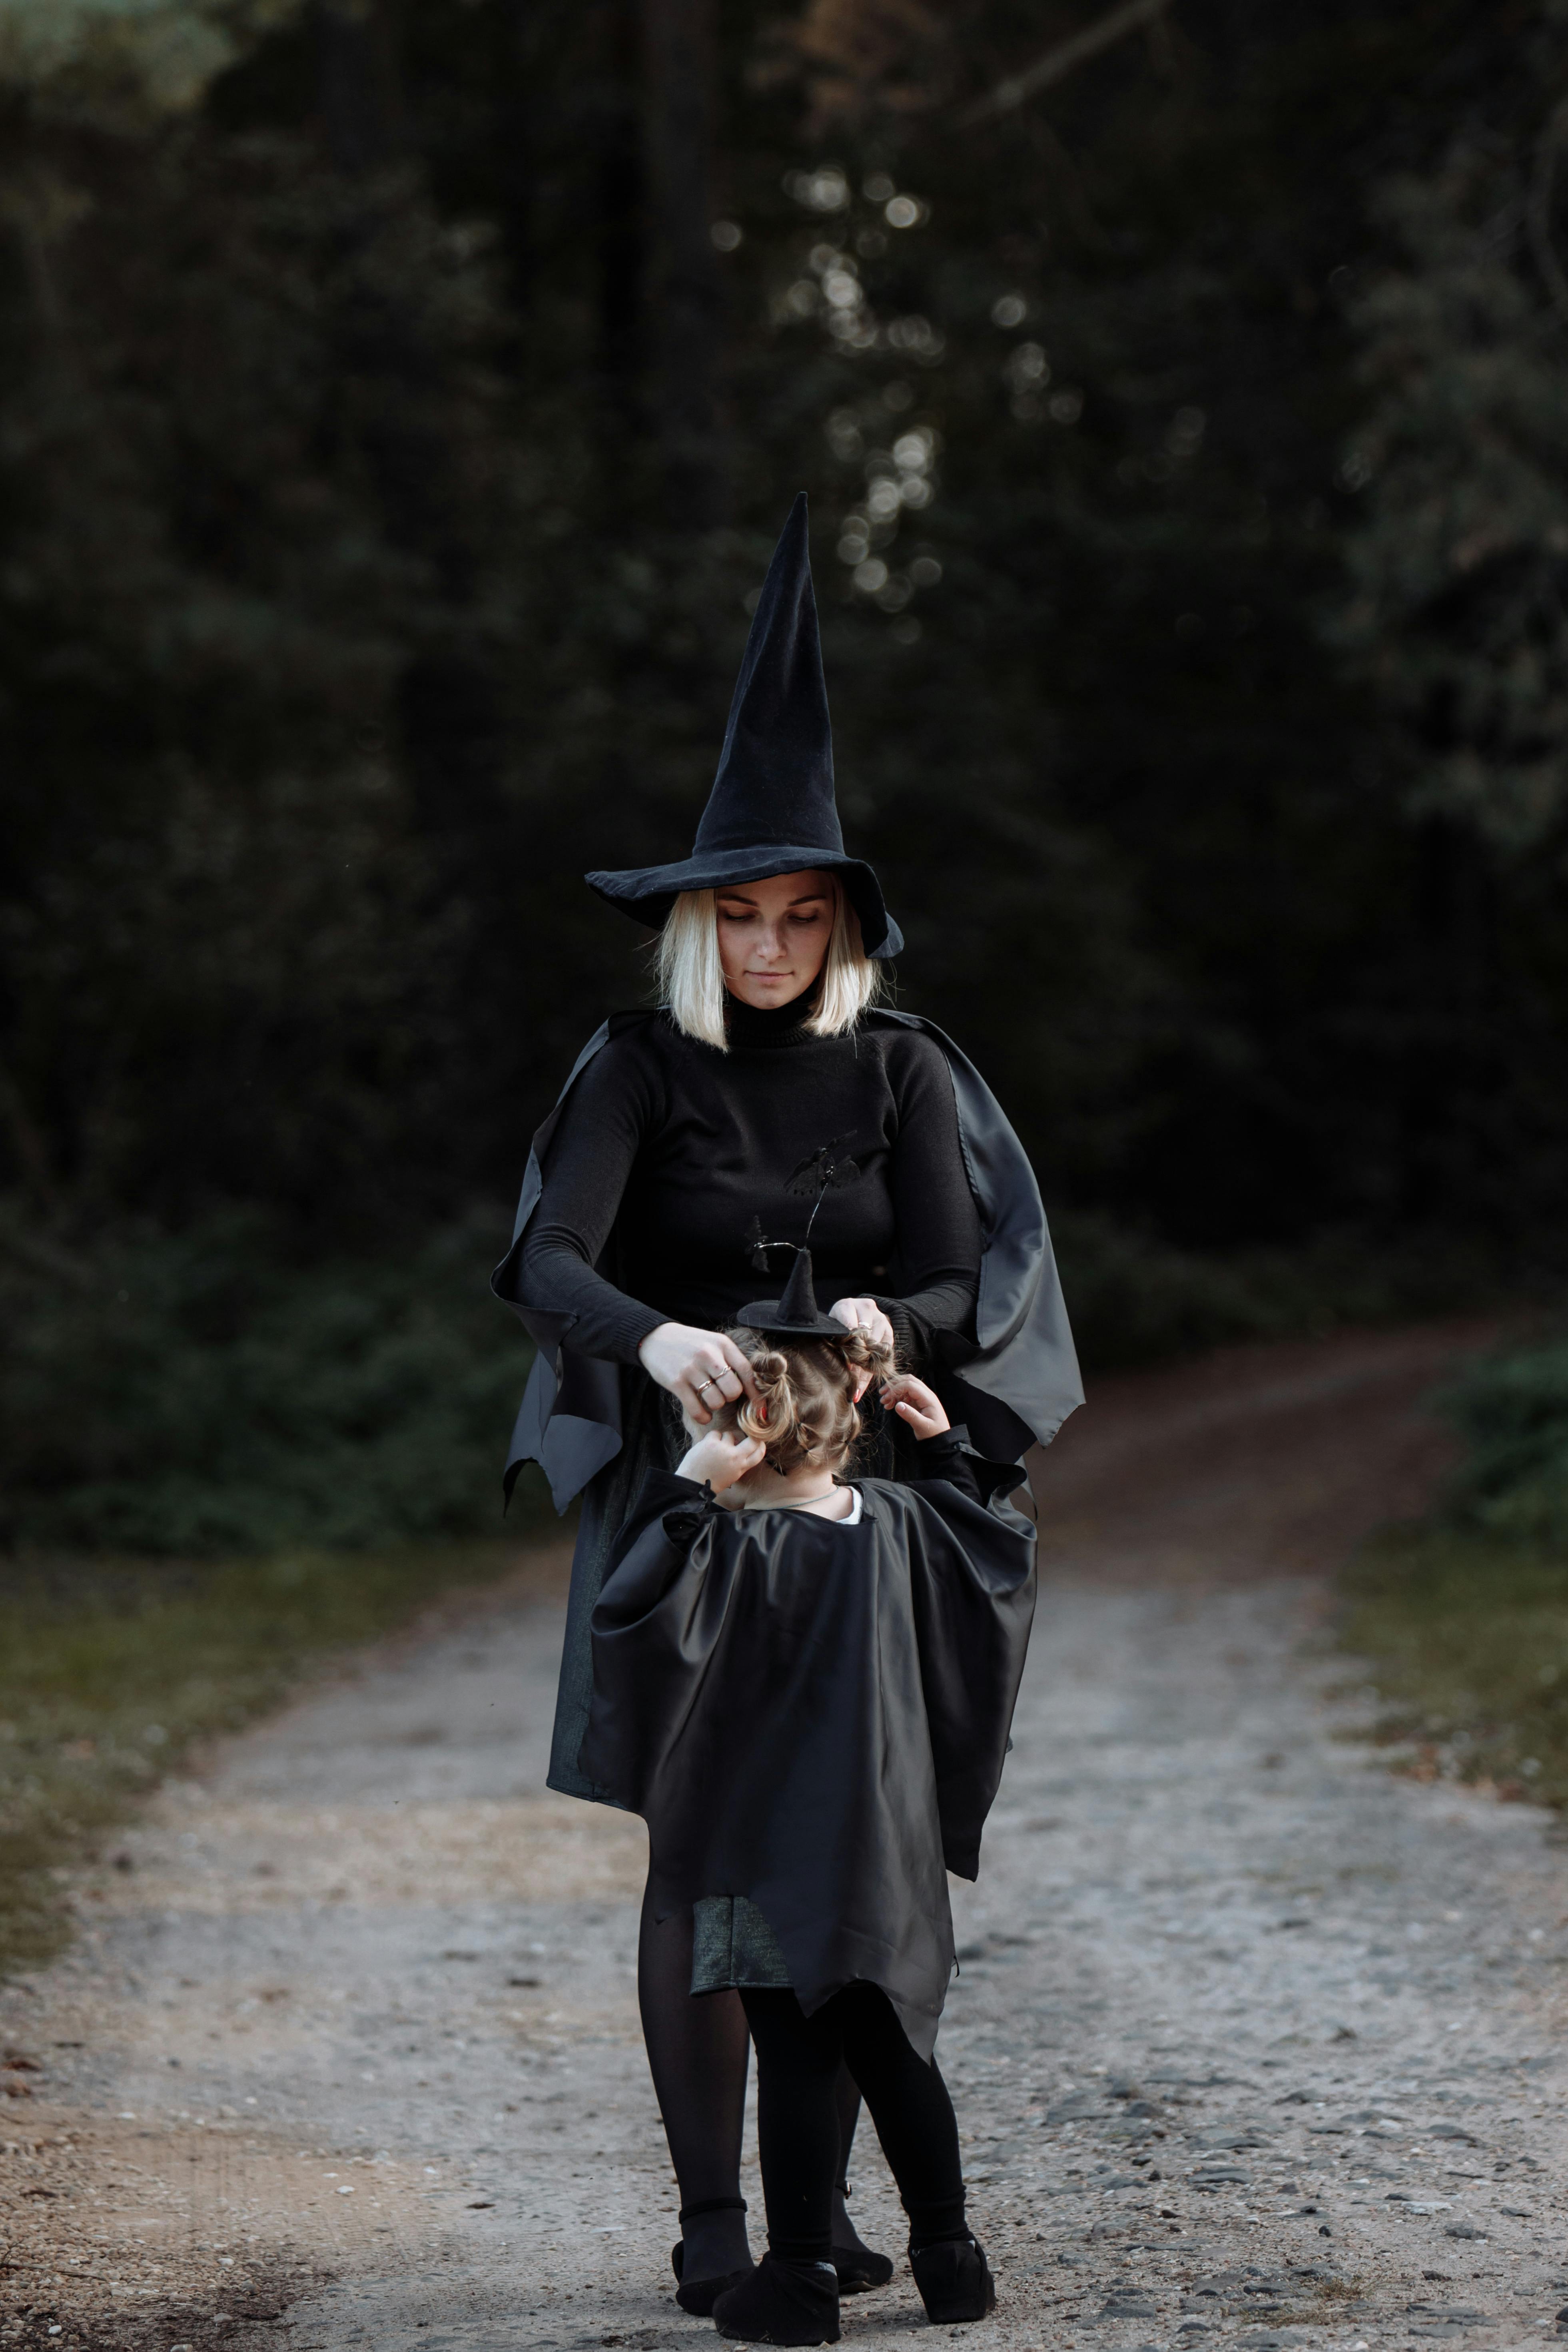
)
(1252, 2040)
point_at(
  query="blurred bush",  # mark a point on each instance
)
(1134, 1299)
(1512, 1410)
(1464, 1616)
(202, 1394)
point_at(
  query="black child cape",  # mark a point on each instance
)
(1016, 1391)
(815, 1716)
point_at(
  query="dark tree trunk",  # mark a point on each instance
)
(517, 138)
(620, 206)
(358, 80)
(679, 36)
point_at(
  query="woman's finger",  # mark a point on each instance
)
(863, 1315)
(708, 1376)
(737, 1362)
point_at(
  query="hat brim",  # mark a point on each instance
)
(648, 893)
(763, 1315)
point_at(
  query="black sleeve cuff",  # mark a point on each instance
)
(909, 1348)
(943, 1457)
(631, 1329)
(947, 1456)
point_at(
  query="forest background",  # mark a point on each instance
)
(399, 400)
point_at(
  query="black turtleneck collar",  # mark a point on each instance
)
(783, 1024)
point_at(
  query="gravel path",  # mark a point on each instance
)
(1252, 2040)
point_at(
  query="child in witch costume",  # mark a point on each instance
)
(804, 1683)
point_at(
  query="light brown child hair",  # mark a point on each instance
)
(806, 1413)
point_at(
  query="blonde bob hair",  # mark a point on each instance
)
(691, 977)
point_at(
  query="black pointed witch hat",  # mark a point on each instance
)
(796, 1315)
(771, 809)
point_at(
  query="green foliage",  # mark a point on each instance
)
(1462, 459)
(1512, 1410)
(201, 1394)
(257, 495)
(145, 56)
(107, 1674)
(1134, 1299)
(1466, 1618)
(1468, 1637)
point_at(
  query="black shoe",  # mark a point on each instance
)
(781, 2302)
(954, 2280)
(701, 2297)
(860, 2269)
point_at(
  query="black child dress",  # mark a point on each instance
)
(812, 1716)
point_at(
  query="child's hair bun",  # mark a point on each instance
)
(805, 1413)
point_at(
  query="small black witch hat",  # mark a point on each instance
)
(796, 1315)
(771, 809)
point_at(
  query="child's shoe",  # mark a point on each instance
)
(702, 2294)
(860, 2269)
(858, 2266)
(954, 2280)
(781, 2302)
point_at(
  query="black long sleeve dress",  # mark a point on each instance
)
(671, 1160)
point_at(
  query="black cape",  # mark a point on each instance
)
(1016, 1391)
(815, 1716)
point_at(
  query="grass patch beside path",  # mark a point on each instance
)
(1466, 1636)
(108, 1670)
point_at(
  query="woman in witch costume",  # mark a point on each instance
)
(804, 1683)
(767, 1094)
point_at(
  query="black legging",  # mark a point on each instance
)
(698, 2050)
(798, 2060)
(698, 2054)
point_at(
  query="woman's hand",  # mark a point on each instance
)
(721, 1459)
(863, 1315)
(702, 1368)
(914, 1403)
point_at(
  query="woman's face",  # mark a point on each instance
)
(774, 934)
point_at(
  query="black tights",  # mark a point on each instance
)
(697, 2050)
(798, 2063)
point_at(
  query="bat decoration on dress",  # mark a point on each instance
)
(820, 1173)
(759, 1248)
